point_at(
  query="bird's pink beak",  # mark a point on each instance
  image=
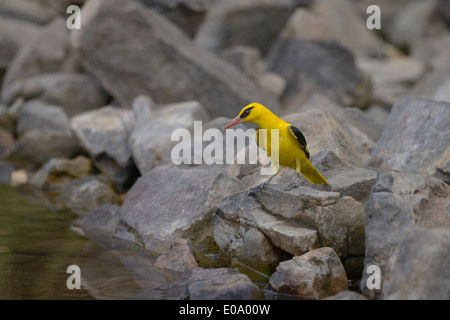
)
(233, 122)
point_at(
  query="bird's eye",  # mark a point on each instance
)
(246, 112)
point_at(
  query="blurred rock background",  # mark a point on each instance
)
(86, 118)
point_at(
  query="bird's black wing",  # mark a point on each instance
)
(300, 137)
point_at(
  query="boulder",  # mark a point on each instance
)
(48, 52)
(37, 115)
(432, 51)
(416, 137)
(104, 134)
(178, 258)
(36, 12)
(151, 140)
(74, 92)
(400, 202)
(312, 65)
(85, 194)
(421, 269)
(173, 69)
(273, 222)
(315, 275)
(211, 284)
(169, 203)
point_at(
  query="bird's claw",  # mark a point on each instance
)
(292, 185)
(255, 189)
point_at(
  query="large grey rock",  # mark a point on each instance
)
(174, 69)
(37, 115)
(416, 137)
(314, 275)
(178, 258)
(74, 92)
(235, 22)
(421, 268)
(294, 222)
(398, 203)
(433, 51)
(167, 203)
(211, 284)
(325, 66)
(104, 134)
(151, 140)
(48, 52)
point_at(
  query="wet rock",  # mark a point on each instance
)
(315, 275)
(230, 23)
(104, 134)
(85, 194)
(74, 92)
(393, 77)
(325, 66)
(178, 258)
(421, 269)
(59, 172)
(400, 202)
(348, 27)
(416, 137)
(37, 115)
(151, 140)
(185, 71)
(294, 222)
(48, 52)
(168, 203)
(187, 14)
(211, 284)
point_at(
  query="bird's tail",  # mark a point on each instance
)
(312, 174)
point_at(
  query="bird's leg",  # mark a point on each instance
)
(260, 187)
(296, 183)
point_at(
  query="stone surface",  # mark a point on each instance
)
(314, 275)
(211, 284)
(167, 203)
(178, 258)
(347, 295)
(400, 202)
(74, 92)
(421, 270)
(185, 71)
(416, 137)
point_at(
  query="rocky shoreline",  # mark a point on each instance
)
(86, 118)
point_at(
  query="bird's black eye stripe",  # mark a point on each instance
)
(246, 112)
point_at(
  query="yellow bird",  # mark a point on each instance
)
(292, 148)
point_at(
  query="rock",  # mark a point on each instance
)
(421, 270)
(6, 142)
(178, 258)
(58, 172)
(211, 284)
(231, 23)
(7, 119)
(85, 194)
(432, 51)
(416, 137)
(311, 66)
(37, 12)
(6, 169)
(347, 295)
(323, 131)
(443, 9)
(104, 134)
(415, 21)
(434, 86)
(187, 14)
(169, 203)
(393, 77)
(183, 68)
(151, 140)
(315, 275)
(37, 115)
(74, 92)
(35, 147)
(48, 52)
(14, 35)
(18, 177)
(348, 27)
(294, 222)
(400, 202)
(245, 58)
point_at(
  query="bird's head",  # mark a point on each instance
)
(250, 113)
